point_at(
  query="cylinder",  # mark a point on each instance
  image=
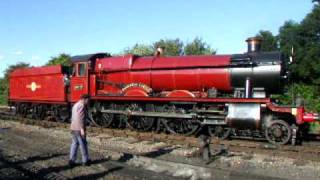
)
(248, 88)
(254, 44)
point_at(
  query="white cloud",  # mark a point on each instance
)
(35, 57)
(18, 52)
(1, 57)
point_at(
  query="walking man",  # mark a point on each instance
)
(78, 131)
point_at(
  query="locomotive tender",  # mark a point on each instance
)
(181, 94)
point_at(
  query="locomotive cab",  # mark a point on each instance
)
(80, 80)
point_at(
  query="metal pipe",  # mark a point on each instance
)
(152, 114)
(248, 88)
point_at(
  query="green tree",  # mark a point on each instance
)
(269, 41)
(2, 92)
(288, 36)
(290, 46)
(13, 67)
(172, 47)
(4, 83)
(310, 94)
(63, 59)
(140, 50)
(198, 47)
(309, 51)
(304, 38)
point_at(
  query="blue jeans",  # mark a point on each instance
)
(77, 140)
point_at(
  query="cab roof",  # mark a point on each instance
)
(88, 57)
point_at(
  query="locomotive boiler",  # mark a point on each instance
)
(179, 94)
(192, 76)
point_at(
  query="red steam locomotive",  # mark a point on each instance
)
(180, 94)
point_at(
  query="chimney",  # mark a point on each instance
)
(254, 44)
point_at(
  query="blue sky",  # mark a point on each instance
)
(35, 30)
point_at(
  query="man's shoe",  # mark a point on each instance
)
(88, 163)
(71, 163)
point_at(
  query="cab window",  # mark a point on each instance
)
(81, 68)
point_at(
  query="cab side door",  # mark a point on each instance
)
(79, 81)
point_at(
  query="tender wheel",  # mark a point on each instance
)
(181, 126)
(61, 113)
(22, 110)
(38, 112)
(219, 131)
(140, 123)
(17, 110)
(278, 132)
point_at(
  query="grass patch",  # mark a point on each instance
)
(3, 99)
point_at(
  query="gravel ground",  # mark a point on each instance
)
(39, 153)
(34, 153)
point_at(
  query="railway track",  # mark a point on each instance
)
(142, 165)
(307, 151)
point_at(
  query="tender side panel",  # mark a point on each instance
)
(34, 84)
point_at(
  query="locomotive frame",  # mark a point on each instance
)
(123, 96)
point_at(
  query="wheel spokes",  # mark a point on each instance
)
(140, 123)
(279, 132)
(181, 126)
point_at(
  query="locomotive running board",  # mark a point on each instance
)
(152, 114)
(213, 120)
